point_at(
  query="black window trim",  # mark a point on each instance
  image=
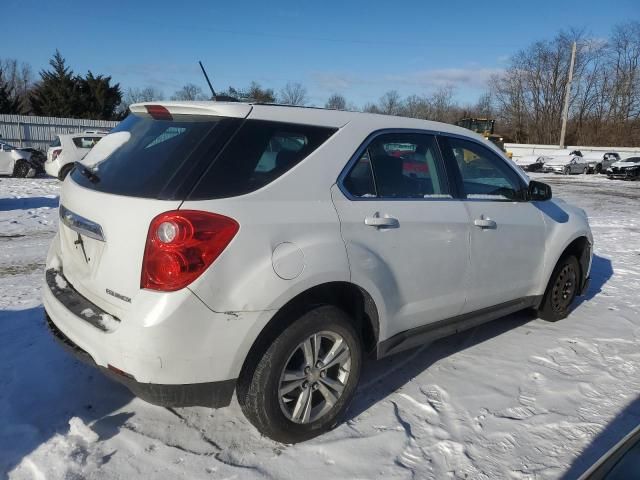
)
(350, 165)
(454, 171)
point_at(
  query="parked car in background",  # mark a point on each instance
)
(207, 247)
(38, 157)
(15, 161)
(598, 162)
(68, 149)
(565, 162)
(531, 163)
(626, 169)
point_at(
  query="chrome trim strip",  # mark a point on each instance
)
(81, 225)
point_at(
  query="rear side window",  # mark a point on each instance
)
(401, 166)
(258, 153)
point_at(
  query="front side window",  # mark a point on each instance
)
(398, 165)
(484, 174)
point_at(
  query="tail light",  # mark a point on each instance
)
(182, 244)
(55, 153)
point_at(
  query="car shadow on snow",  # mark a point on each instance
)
(42, 387)
(601, 272)
(382, 378)
(27, 203)
(612, 433)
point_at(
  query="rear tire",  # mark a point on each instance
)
(561, 291)
(585, 170)
(64, 171)
(21, 169)
(567, 170)
(271, 401)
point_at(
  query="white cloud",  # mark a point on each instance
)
(420, 81)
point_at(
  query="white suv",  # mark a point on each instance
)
(210, 247)
(68, 149)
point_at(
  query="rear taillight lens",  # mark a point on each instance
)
(55, 153)
(181, 245)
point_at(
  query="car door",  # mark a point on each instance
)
(407, 238)
(507, 232)
(6, 160)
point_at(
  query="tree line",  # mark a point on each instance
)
(526, 98)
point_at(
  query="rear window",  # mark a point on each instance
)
(56, 142)
(260, 152)
(196, 157)
(144, 157)
(85, 142)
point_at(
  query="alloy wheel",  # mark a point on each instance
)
(314, 377)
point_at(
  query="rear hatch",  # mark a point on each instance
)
(147, 165)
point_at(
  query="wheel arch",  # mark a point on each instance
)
(580, 247)
(353, 299)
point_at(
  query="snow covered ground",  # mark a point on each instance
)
(518, 398)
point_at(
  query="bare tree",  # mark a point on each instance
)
(390, 103)
(293, 94)
(146, 94)
(336, 102)
(443, 108)
(190, 92)
(18, 77)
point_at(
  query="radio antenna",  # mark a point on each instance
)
(204, 72)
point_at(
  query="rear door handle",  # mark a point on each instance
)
(485, 223)
(381, 222)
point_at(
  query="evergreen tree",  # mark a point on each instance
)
(8, 102)
(57, 93)
(98, 99)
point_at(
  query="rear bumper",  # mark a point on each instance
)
(161, 339)
(210, 394)
(52, 168)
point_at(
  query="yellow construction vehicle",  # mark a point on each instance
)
(484, 126)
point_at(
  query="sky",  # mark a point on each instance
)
(360, 49)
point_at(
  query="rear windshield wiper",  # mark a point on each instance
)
(87, 172)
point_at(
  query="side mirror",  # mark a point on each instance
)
(539, 191)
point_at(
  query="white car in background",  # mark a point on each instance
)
(531, 163)
(599, 162)
(207, 247)
(67, 149)
(565, 162)
(15, 162)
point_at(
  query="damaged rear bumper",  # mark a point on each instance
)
(210, 394)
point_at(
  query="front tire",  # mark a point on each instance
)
(21, 169)
(585, 170)
(561, 290)
(567, 170)
(306, 378)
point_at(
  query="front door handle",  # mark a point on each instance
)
(485, 223)
(381, 222)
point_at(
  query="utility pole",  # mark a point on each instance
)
(565, 110)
